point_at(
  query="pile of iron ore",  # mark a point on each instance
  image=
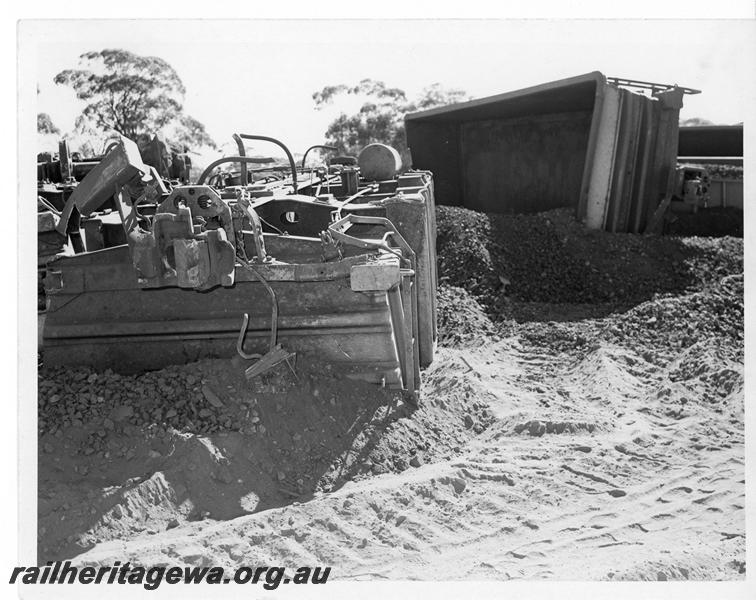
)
(663, 328)
(551, 258)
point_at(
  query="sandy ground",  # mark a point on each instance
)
(594, 465)
(593, 441)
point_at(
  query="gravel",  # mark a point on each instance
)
(661, 293)
(550, 258)
(175, 397)
(661, 329)
(461, 319)
(664, 295)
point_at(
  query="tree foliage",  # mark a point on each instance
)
(436, 95)
(136, 96)
(46, 125)
(381, 116)
(187, 132)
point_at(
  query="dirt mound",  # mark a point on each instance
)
(131, 455)
(491, 255)
(660, 329)
(550, 258)
(461, 319)
(538, 450)
(564, 463)
(209, 396)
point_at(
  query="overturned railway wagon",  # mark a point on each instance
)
(337, 262)
(603, 146)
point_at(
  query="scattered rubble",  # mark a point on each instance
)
(461, 319)
(664, 327)
(549, 257)
(224, 446)
(623, 404)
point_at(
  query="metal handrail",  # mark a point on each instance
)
(226, 159)
(238, 137)
(316, 146)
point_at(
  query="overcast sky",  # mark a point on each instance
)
(259, 77)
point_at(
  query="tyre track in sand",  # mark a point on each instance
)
(584, 473)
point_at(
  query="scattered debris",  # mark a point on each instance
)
(635, 409)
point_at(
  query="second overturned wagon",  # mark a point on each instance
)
(337, 262)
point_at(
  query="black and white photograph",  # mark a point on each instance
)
(382, 300)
